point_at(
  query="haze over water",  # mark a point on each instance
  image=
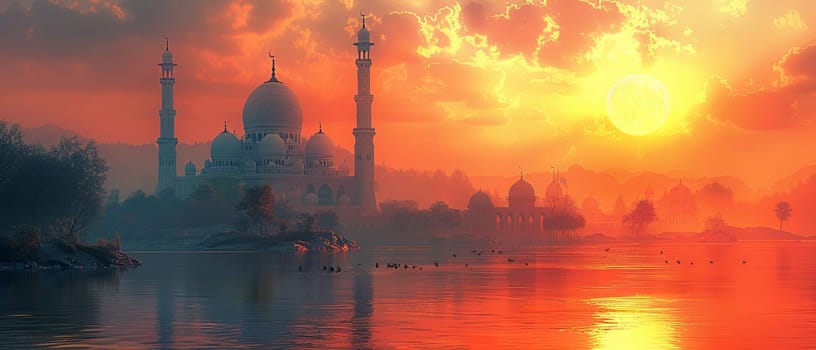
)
(568, 297)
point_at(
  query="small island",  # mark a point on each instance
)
(26, 250)
(258, 208)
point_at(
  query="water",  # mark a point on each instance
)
(567, 297)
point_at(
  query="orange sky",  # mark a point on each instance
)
(488, 86)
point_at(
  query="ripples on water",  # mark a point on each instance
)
(567, 297)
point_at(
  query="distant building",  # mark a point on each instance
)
(273, 151)
(521, 214)
(677, 210)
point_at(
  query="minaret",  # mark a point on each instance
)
(364, 132)
(167, 114)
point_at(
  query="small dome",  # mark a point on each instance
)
(310, 198)
(680, 193)
(272, 145)
(272, 106)
(189, 169)
(521, 190)
(480, 200)
(522, 195)
(554, 190)
(320, 146)
(226, 146)
(207, 163)
(344, 199)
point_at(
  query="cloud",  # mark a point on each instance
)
(734, 8)
(797, 68)
(760, 109)
(554, 33)
(791, 20)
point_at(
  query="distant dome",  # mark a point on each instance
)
(189, 169)
(320, 146)
(521, 190)
(522, 195)
(480, 200)
(270, 107)
(680, 193)
(554, 190)
(208, 163)
(226, 146)
(272, 145)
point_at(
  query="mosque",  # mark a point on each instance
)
(522, 215)
(273, 150)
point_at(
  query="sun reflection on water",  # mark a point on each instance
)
(634, 322)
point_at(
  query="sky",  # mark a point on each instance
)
(484, 86)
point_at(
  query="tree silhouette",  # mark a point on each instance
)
(258, 204)
(443, 217)
(640, 217)
(783, 212)
(715, 224)
(59, 190)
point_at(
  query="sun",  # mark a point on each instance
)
(638, 104)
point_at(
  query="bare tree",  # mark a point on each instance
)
(83, 173)
(783, 212)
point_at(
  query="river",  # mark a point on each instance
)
(754, 295)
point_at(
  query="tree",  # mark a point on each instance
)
(83, 172)
(715, 197)
(715, 224)
(258, 204)
(783, 212)
(564, 217)
(643, 215)
(444, 217)
(60, 189)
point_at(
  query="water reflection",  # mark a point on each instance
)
(568, 297)
(363, 310)
(634, 322)
(48, 308)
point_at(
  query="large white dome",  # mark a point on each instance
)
(271, 107)
(226, 146)
(320, 146)
(272, 146)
